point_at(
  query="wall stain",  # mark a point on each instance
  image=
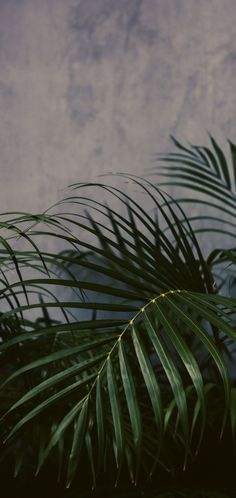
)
(81, 102)
(102, 31)
(105, 26)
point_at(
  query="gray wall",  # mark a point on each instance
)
(92, 86)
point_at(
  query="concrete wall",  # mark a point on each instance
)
(92, 86)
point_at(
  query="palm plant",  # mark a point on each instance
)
(129, 370)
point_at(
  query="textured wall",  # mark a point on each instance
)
(92, 86)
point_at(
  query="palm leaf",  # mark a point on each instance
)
(111, 369)
(204, 170)
(127, 370)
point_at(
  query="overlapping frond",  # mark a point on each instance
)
(124, 363)
(207, 171)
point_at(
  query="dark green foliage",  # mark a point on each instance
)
(128, 373)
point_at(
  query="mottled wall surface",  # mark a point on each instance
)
(92, 86)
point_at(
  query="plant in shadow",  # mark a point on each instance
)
(128, 372)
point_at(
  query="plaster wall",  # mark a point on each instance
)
(92, 86)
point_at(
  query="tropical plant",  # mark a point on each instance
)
(129, 371)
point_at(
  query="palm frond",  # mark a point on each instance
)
(205, 170)
(116, 386)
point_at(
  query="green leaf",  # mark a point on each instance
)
(131, 398)
(222, 162)
(189, 362)
(100, 418)
(116, 412)
(149, 379)
(170, 370)
(44, 405)
(62, 426)
(78, 441)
